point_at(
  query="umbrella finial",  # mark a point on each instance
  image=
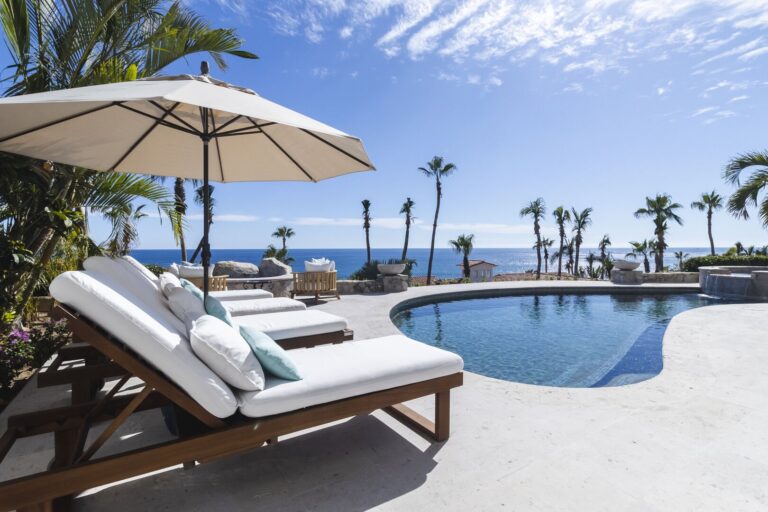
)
(204, 69)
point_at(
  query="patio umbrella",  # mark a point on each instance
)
(182, 126)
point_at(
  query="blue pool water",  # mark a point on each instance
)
(553, 340)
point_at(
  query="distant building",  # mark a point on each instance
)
(480, 271)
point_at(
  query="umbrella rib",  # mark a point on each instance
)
(218, 149)
(216, 131)
(143, 136)
(163, 123)
(236, 131)
(59, 121)
(278, 146)
(334, 146)
(163, 109)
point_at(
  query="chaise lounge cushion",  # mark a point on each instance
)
(148, 331)
(185, 306)
(335, 372)
(259, 306)
(224, 295)
(132, 265)
(293, 324)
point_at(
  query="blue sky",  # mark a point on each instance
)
(596, 103)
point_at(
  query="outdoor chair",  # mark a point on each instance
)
(315, 283)
(123, 334)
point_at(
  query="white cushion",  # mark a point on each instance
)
(226, 352)
(292, 324)
(185, 306)
(223, 295)
(310, 266)
(335, 372)
(118, 275)
(168, 283)
(147, 332)
(259, 306)
(134, 266)
(193, 270)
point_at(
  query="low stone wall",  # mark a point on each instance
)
(382, 284)
(637, 277)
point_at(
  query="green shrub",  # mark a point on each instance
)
(693, 264)
(155, 269)
(366, 272)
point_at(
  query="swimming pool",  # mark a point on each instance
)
(572, 340)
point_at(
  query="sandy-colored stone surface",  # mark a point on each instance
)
(693, 438)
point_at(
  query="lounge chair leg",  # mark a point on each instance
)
(189, 464)
(272, 440)
(442, 415)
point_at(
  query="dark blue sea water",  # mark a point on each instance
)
(553, 340)
(348, 260)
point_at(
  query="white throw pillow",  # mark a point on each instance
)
(185, 306)
(135, 267)
(226, 353)
(193, 271)
(316, 267)
(168, 283)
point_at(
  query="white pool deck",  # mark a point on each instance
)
(692, 438)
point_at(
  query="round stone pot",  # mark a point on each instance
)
(625, 264)
(390, 269)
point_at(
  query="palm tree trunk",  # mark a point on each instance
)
(546, 261)
(709, 231)
(181, 209)
(576, 258)
(660, 254)
(434, 231)
(405, 244)
(538, 249)
(646, 264)
(560, 257)
(466, 266)
(34, 276)
(368, 245)
(283, 243)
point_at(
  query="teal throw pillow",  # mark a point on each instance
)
(215, 307)
(273, 358)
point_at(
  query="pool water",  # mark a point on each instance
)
(553, 340)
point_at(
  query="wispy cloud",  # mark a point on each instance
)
(380, 222)
(702, 111)
(738, 98)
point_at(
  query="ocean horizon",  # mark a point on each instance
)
(446, 262)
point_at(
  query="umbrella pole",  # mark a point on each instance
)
(206, 256)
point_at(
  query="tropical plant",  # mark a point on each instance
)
(438, 169)
(681, 256)
(278, 254)
(536, 210)
(463, 245)
(200, 201)
(407, 210)
(367, 228)
(562, 217)
(58, 45)
(570, 249)
(591, 259)
(546, 243)
(284, 233)
(602, 246)
(748, 193)
(369, 271)
(693, 264)
(607, 266)
(125, 233)
(641, 249)
(581, 219)
(709, 202)
(660, 209)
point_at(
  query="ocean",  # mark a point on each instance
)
(445, 262)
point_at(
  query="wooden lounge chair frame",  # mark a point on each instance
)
(202, 437)
(315, 283)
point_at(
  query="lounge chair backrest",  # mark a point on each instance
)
(133, 266)
(148, 331)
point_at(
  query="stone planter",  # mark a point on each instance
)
(625, 264)
(391, 269)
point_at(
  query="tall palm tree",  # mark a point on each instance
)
(660, 209)
(603, 245)
(125, 233)
(58, 45)
(536, 210)
(278, 254)
(200, 201)
(641, 249)
(284, 233)
(570, 248)
(680, 256)
(367, 227)
(438, 169)
(546, 243)
(581, 219)
(709, 202)
(407, 209)
(562, 216)
(747, 194)
(463, 245)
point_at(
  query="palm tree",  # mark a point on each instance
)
(661, 209)
(278, 254)
(124, 233)
(283, 232)
(436, 168)
(367, 227)
(463, 245)
(546, 243)
(562, 216)
(680, 256)
(570, 248)
(603, 247)
(60, 45)
(709, 202)
(591, 258)
(581, 219)
(200, 201)
(536, 210)
(407, 209)
(748, 192)
(641, 249)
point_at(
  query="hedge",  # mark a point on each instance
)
(693, 264)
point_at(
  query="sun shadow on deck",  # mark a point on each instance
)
(352, 466)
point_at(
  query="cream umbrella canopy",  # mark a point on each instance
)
(183, 126)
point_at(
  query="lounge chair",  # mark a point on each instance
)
(315, 283)
(126, 335)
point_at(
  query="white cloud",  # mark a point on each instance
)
(574, 87)
(702, 111)
(495, 81)
(720, 114)
(321, 72)
(594, 65)
(754, 53)
(664, 89)
(345, 32)
(738, 98)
